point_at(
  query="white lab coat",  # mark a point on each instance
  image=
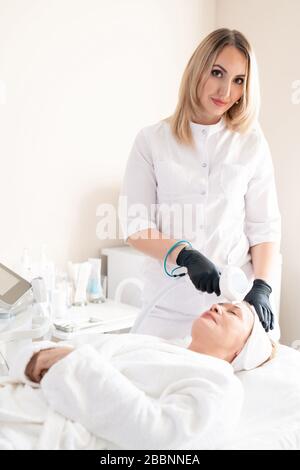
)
(228, 181)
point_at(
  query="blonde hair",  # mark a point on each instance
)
(240, 117)
(273, 352)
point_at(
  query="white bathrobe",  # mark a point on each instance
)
(122, 392)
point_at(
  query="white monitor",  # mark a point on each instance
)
(12, 287)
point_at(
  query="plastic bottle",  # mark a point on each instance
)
(25, 265)
(95, 291)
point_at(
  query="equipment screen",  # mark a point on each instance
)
(7, 281)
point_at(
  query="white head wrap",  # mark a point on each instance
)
(257, 349)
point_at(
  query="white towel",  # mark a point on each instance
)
(257, 349)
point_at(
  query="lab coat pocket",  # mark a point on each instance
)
(172, 180)
(233, 180)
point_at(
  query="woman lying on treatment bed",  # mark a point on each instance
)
(139, 391)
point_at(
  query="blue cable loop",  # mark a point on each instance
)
(180, 242)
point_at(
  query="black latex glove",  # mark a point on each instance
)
(203, 273)
(258, 296)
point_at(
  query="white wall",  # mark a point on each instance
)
(273, 27)
(81, 78)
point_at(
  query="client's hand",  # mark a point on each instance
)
(41, 362)
(258, 296)
(202, 272)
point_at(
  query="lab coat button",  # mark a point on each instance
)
(203, 131)
(203, 192)
(204, 165)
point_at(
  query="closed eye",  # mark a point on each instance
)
(237, 312)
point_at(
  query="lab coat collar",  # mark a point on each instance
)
(207, 129)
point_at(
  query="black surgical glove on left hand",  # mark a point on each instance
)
(258, 296)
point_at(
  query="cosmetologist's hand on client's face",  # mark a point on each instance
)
(41, 362)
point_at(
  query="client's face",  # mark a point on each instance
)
(222, 330)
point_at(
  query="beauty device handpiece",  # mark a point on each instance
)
(234, 284)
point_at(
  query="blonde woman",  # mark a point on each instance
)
(199, 191)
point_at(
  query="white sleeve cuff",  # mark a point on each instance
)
(21, 359)
(136, 225)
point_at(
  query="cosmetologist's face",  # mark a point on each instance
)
(225, 83)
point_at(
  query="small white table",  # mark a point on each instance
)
(114, 316)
